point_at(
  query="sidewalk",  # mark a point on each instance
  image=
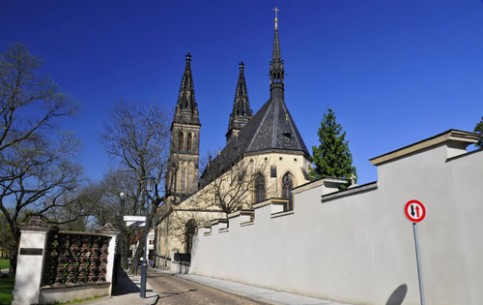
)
(126, 292)
(257, 294)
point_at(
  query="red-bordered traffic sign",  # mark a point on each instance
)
(415, 211)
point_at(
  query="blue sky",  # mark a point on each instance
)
(394, 71)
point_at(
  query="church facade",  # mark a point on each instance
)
(264, 158)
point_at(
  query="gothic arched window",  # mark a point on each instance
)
(190, 232)
(189, 143)
(259, 187)
(287, 186)
(180, 140)
(182, 177)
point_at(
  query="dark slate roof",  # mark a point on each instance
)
(271, 129)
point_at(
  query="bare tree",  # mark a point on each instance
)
(225, 187)
(35, 156)
(235, 187)
(120, 197)
(80, 208)
(137, 138)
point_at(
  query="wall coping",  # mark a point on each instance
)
(350, 191)
(452, 135)
(241, 213)
(464, 155)
(35, 223)
(269, 202)
(261, 204)
(327, 181)
(86, 233)
(217, 221)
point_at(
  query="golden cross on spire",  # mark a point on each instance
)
(276, 17)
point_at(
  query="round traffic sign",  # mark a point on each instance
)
(415, 211)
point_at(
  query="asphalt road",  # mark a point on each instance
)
(173, 290)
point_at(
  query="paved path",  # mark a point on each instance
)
(127, 292)
(260, 295)
(165, 288)
(174, 290)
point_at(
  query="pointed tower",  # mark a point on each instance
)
(270, 131)
(182, 175)
(186, 108)
(241, 113)
(276, 64)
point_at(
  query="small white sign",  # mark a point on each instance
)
(135, 220)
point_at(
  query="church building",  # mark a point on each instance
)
(264, 158)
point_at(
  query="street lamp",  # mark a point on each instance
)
(148, 187)
(121, 209)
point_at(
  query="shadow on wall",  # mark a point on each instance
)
(397, 297)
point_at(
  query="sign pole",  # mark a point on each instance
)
(415, 212)
(418, 260)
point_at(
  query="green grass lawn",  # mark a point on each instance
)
(4, 263)
(6, 283)
(6, 288)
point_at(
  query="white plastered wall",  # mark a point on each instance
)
(359, 248)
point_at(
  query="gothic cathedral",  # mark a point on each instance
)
(264, 158)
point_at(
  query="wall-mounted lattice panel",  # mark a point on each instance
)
(75, 259)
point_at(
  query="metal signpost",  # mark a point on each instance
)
(138, 220)
(415, 212)
(148, 188)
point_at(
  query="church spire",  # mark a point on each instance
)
(241, 113)
(276, 64)
(184, 155)
(186, 107)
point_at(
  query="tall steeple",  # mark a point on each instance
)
(241, 113)
(276, 64)
(186, 108)
(182, 172)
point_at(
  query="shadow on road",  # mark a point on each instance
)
(124, 284)
(168, 294)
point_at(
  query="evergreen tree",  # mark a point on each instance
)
(332, 158)
(479, 130)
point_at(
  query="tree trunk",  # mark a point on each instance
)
(123, 250)
(139, 250)
(13, 260)
(137, 256)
